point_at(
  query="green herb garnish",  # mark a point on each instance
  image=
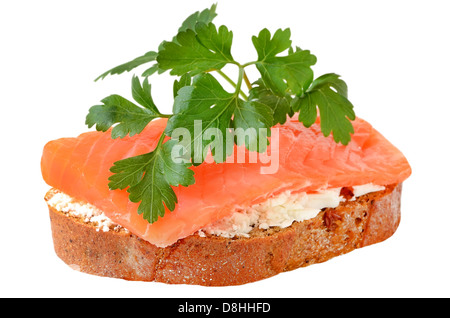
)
(196, 56)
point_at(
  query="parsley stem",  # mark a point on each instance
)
(225, 76)
(247, 82)
(165, 115)
(161, 140)
(229, 80)
(239, 82)
(249, 63)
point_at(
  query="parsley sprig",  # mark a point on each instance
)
(196, 55)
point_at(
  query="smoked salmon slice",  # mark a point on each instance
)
(306, 161)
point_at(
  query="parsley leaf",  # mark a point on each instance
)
(206, 16)
(206, 106)
(282, 73)
(131, 118)
(281, 106)
(149, 177)
(175, 166)
(329, 94)
(330, 80)
(184, 80)
(197, 51)
(199, 107)
(142, 94)
(251, 116)
(128, 66)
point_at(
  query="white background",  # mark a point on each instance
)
(394, 56)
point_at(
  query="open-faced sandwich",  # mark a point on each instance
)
(231, 188)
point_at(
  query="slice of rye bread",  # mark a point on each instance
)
(218, 261)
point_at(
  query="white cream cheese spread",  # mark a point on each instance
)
(279, 211)
(282, 211)
(366, 188)
(88, 213)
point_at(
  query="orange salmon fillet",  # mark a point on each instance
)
(308, 161)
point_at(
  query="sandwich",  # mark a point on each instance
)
(137, 199)
(234, 225)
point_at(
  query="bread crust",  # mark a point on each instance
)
(218, 261)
